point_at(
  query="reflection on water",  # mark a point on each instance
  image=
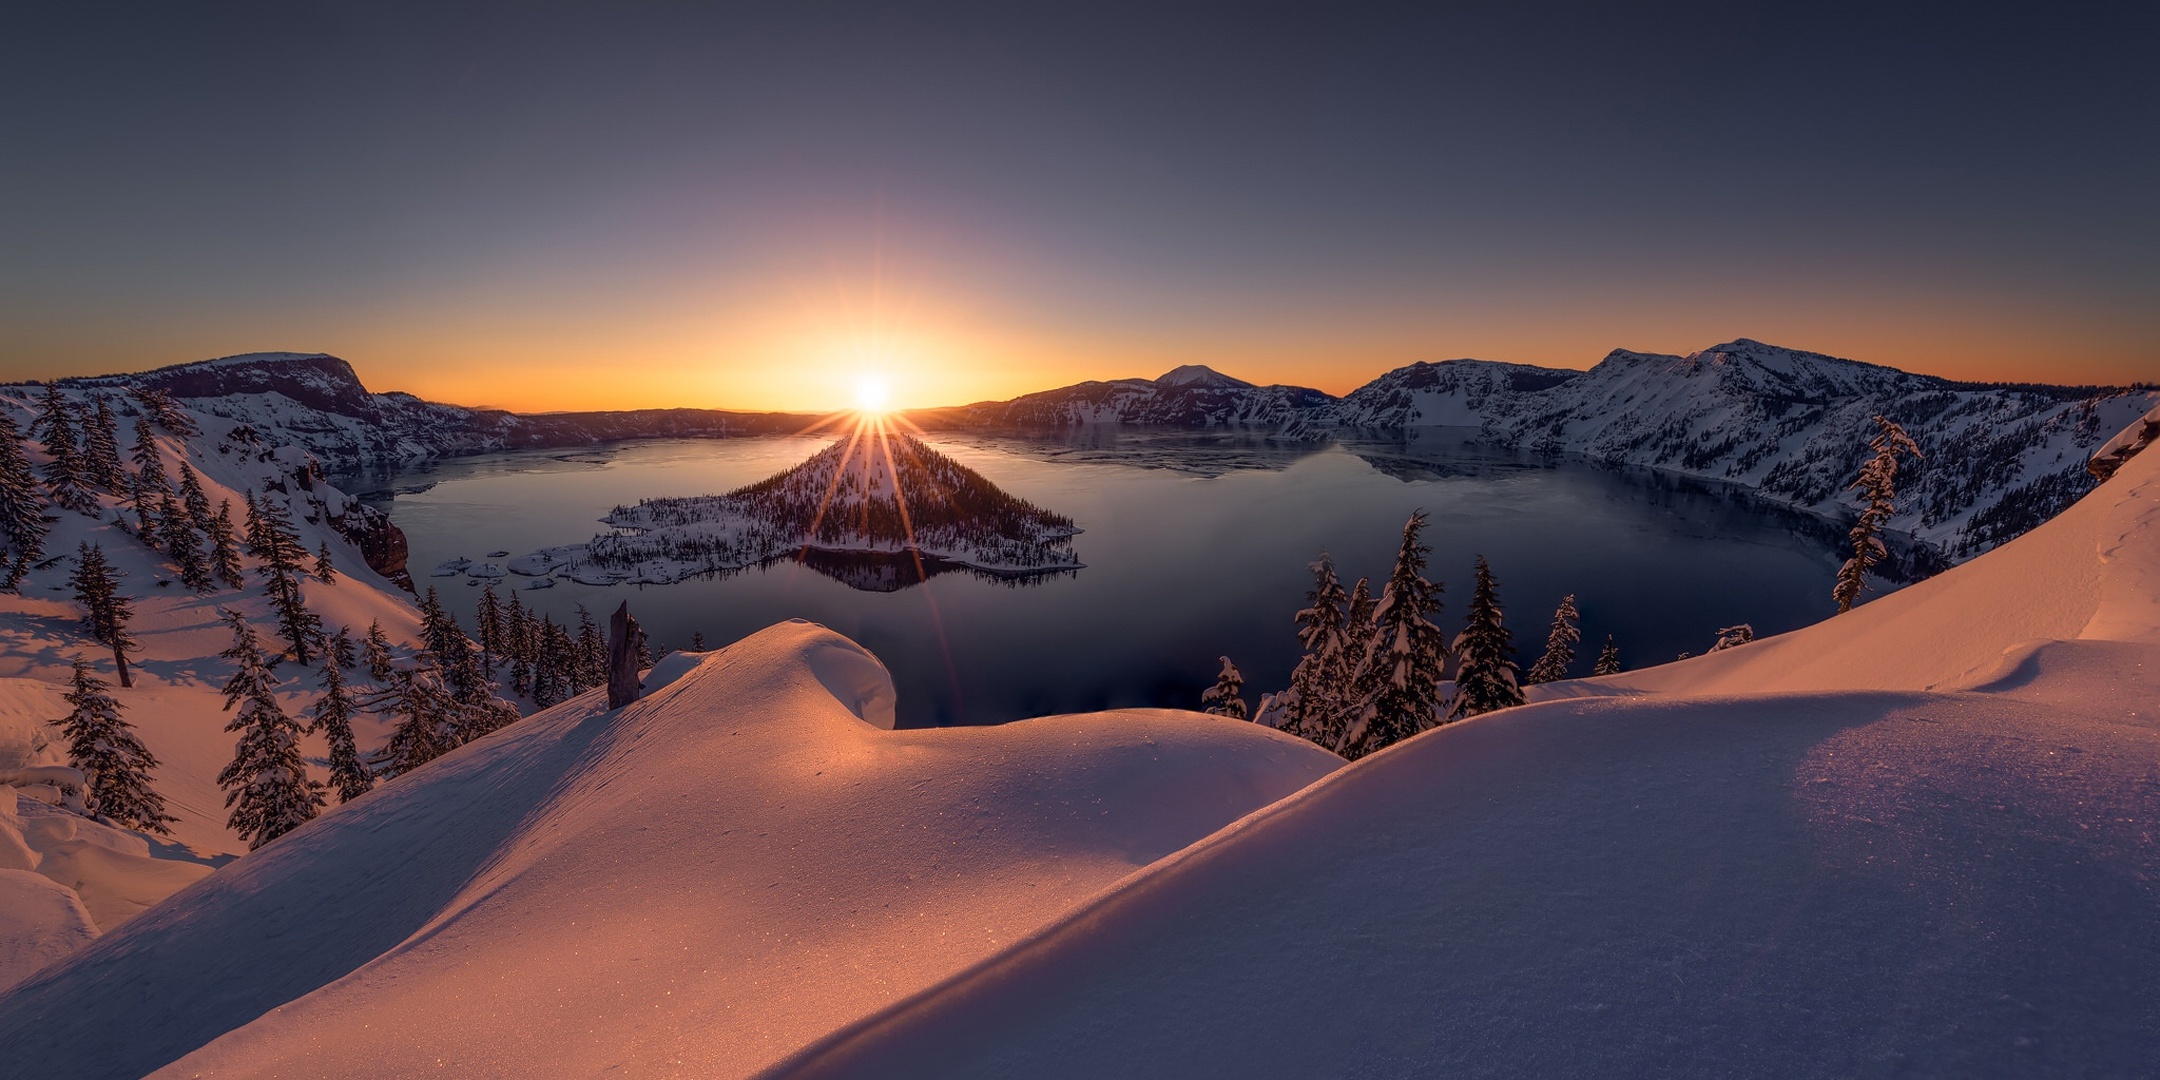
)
(1196, 546)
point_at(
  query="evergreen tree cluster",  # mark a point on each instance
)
(1377, 670)
(546, 661)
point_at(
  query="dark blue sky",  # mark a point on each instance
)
(554, 204)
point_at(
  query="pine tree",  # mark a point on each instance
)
(101, 447)
(267, 786)
(697, 641)
(224, 550)
(180, 542)
(324, 571)
(1559, 645)
(252, 535)
(281, 554)
(22, 505)
(144, 497)
(488, 621)
(1730, 636)
(112, 759)
(1487, 678)
(332, 716)
(1877, 482)
(591, 650)
(66, 474)
(1406, 656)
(427, 726)
(193, 497)
(1608, 659)
(1313, 705)
(160, 406)
(105, 611)
(149, 460)
(441, 635)
(1222, 699)
(376, 654)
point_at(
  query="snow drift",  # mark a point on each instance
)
(697, 884)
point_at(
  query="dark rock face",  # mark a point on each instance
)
(380, 542)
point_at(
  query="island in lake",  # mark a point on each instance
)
(878, 511)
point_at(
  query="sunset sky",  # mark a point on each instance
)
(550, 206)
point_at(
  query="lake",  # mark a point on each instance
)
(1196, 545)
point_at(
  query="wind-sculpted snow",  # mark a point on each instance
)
(696, 884)
(874, 494)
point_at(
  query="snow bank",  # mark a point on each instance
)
(697, 884)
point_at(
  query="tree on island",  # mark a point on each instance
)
(116, 766)
(267, 786)
(22, 505)
(1877, 483)
(1405, 655)
(1487, 679)
(1560, 644)
(1608, 659)
(105, 612)
(332, 716)
(1223, 698)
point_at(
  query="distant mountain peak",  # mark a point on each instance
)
(1200, 375)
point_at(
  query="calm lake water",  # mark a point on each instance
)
(1196, 546)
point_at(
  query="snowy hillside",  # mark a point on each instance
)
(1791, 425)
(697, 884)
(1682, 877)
(875, 493)
(1187, 396)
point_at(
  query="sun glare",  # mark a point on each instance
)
(872, 395)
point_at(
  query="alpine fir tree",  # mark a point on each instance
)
(145, 498)
(22, 504)
(267, 786)
(1877, 483)
(375, 654)
(459, 665)
(427, 726)
(281, 554)
(1560, 644)
(114, 763)
(105, 612)
(591, 650)
(1223, 698)
(101, 448)
(193, 497)
(1608, 659)
(181, 543)
(324, 571)
(332, 716)
(160, 406)
(1312, 707)
(149, 460)
(1487, 678)
(697, 640)
(1730, 636)
(66, 475)
(224, 549)
(1405, 657)
(488, 620)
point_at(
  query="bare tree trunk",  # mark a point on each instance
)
(120, 660)
(624, 638)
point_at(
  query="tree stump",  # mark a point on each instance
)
(624, 640)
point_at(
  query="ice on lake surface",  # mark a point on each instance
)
(1196, 546)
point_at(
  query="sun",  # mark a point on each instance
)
(872, 394)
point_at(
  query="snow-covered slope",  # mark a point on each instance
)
(1792, 425)
(1187, 396)
(694, 885)
(1829, 881)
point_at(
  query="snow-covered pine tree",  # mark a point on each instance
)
(1405, 656)
(1224, 698)
(267, 786)
(1487, 678)
(159, 405)
(149, 460)
(282, 556)
(591, 650)
(113, 761)
(224, 549)
(427, 726)
(1877, 483)
(22, 505)
(180, 542)
(445, 639)
(252, 536)
(488, 622)
(1313, 705)
(195, 499)
(1608, 659)
(105, 611)
(1730, 636)
(324, 571)
(332, 716)
(376, 654)
(66, 475)
(1560, 644)
(101, 448)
